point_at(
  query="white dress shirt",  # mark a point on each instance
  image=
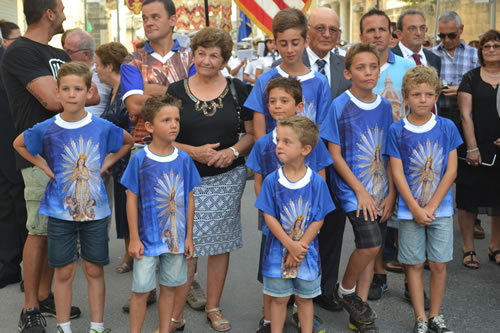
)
(314, 66)
(408, 54)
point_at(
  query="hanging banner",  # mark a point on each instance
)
(191, 14)
(134, 5)
(261, 12)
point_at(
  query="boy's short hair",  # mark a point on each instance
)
(155, 103)
(375, 12)
(290, 85)
(290, 18)
(76, 68)
(418, 75)
(359, 48)
(306, 130)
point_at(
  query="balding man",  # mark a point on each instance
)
(80, 46)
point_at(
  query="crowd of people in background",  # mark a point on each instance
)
(164, 139)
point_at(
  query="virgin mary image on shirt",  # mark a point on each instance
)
(170, 207)
(426, 164)
(371, 164)
(81, 178)
(293, 218)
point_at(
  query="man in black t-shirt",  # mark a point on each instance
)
(29, 71)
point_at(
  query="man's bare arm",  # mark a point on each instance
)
(44, 88)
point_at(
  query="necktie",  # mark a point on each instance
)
(416, 57)
(321, 66)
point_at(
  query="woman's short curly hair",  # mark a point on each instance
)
(112, 54)
(493, 35)
(210, 37)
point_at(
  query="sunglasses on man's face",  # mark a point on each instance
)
(452, 35)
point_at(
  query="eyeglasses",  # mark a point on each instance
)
(322, 29)
(71, 52)
(494, 47)
(413, 28)
(451, 35)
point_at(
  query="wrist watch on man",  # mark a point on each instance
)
(235, 152)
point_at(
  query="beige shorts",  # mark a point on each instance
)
(35, 182)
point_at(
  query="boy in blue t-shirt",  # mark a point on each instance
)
(356, 131)
(77, 148)
(285, 101)
(294, 200)
(160, 209)
(290, 31)
(423, 152)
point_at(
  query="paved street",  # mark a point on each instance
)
(471, 302)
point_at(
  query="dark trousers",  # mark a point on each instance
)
(13, 231)
(330, 248)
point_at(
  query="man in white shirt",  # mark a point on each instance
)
(80, 46)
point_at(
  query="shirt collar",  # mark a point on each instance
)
(150, 50)
(392, 58)
(407, 53)
(313, 57)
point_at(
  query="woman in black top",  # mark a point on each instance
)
(478, 180)
(109, 58)
(210, 128)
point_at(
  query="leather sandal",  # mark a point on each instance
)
(471, 263)
(179, 325)
(493, 255)
(220, 321)
(125, 267)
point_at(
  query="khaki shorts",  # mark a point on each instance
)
(35, 182)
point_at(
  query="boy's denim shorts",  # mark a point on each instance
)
(278, 287)
(436, 240)
(62, 236)
(367, 234)
(173, 272)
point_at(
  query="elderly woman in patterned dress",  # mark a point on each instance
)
(210, 128)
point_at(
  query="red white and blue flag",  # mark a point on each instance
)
(261, 12)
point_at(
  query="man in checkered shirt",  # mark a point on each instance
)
(457, 58)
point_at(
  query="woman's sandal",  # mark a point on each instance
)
(471, 264)
(175, 322)
(220, 320)
(493, 255)
(125, 267)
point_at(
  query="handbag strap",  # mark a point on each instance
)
(237, 104)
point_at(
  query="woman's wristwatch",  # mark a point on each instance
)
(235, 152)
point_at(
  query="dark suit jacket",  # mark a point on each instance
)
(339, 84)
(432, 59)
(7, 136)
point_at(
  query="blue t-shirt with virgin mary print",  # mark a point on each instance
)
(315, 90)
(424, 152)
(162, 185)
(74, 152)
(295, 205)
(360, 129)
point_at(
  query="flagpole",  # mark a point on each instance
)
(207, 19)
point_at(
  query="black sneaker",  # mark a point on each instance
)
(31, 321)
(420, 327)
(378, 286)
(360, 311)
(427, 301)
(329, 304)
(264, 327)
(48, 308)
(361, 327)
(436, 325)
(318, 323)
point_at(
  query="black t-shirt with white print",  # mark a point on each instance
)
(23, 62)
